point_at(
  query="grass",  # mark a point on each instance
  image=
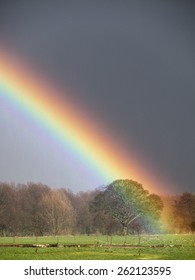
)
(171, 247)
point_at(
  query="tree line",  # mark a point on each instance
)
(121, 207)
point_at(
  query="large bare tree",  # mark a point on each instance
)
(184, 213)
(58, 212)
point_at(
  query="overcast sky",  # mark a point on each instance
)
(130, 63)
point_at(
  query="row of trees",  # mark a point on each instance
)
(34, 209)
(122, 207)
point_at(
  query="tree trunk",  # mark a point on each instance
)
(125, 230)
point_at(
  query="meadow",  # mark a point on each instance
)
(99, 247)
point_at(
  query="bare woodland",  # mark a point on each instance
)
(123, 207)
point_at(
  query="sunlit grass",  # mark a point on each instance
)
(158, 247)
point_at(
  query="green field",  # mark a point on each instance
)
(148, 247)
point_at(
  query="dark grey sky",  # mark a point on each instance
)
(130, 63)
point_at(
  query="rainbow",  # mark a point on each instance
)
(68, 124)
